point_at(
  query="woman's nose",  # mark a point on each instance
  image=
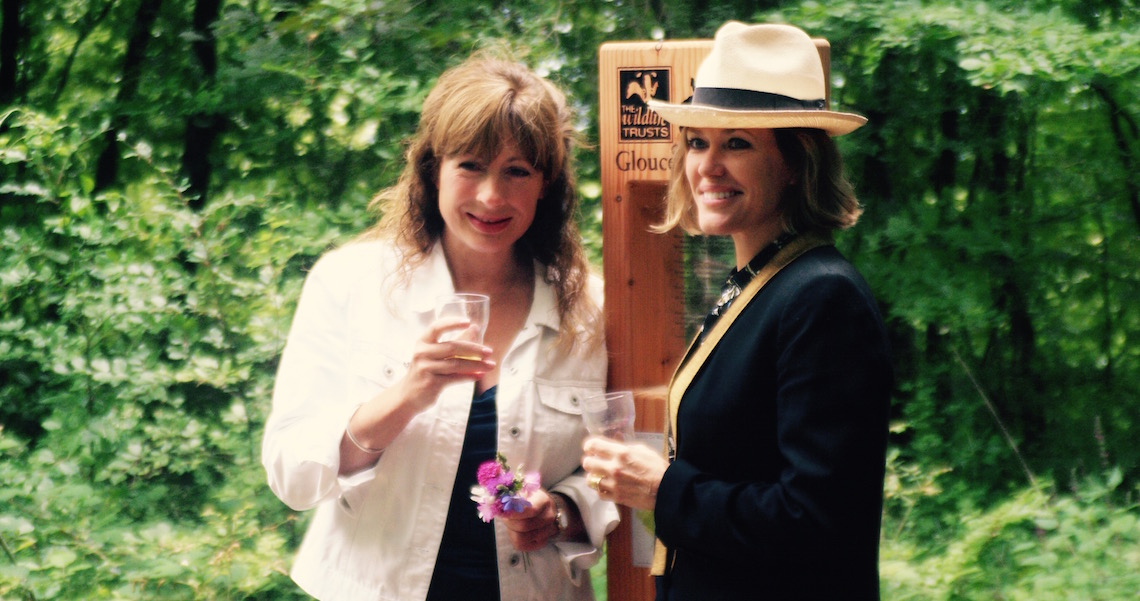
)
(491, 190)
(711, 164)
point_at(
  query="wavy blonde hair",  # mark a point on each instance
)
(477, 107)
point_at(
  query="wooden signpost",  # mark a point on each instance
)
(644, 283)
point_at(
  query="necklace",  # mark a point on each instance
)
(738, 278)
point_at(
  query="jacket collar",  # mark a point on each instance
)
(432, 279)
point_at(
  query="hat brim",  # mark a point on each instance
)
(690, 115)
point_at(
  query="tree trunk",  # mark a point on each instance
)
(107, 166)
(10, 37)
(202, 128)
(1126, 133)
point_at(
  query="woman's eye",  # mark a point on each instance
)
(469, 166)
(738, 144)
(519, 172)
(696, 144)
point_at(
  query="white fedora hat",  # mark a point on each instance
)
(763, 76)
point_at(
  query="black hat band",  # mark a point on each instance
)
(735, 98)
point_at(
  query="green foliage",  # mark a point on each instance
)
(140, 324)
(67, 537)
(1034, 545)
(139, 345)
(1000, 229)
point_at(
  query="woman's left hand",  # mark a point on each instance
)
(625, 473)
(533, 527)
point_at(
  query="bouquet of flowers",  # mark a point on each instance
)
(502, 491)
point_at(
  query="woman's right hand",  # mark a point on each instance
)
(434, 365)
(625, 473)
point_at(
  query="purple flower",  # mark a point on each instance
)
(513, 503)
(505, 482)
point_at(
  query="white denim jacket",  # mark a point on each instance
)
(376, 534)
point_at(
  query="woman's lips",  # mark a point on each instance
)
(716, 197)
(489, 226)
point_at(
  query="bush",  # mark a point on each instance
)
(138, 346)
(1038, 544)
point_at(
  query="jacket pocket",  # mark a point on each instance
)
(564, 398)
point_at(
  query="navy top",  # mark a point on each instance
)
(467, 567)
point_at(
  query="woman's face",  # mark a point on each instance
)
(487, 203)
(737, 177)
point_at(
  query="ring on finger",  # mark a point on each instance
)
(594, 481)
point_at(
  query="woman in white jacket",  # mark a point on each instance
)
(380, 426)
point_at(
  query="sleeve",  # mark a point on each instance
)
(301, 446)
(599, 518)
(832, 395)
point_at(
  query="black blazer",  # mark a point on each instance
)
(777, 487)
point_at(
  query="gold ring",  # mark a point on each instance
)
(594, 481)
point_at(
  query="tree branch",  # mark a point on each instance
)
(1118, 120)
(65, 71)
(7, 550)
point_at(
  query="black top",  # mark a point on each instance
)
(467, 566)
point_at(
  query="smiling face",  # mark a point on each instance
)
(737, 178)
(487, 203)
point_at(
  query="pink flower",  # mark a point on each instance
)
(489, 474)
(488, 510)
(532, 481)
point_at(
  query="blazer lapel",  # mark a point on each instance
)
(696, 356)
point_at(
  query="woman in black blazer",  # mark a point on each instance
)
(778, 412)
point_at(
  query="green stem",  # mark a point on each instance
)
(993, 411)
(7, 550)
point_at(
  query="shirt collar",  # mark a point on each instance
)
(430, 281)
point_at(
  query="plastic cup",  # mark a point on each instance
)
(474, 307)
(610, 415)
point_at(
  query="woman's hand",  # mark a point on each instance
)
(436, 364)
(532, 528)
(625, 473)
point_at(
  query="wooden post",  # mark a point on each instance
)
(644, 283)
